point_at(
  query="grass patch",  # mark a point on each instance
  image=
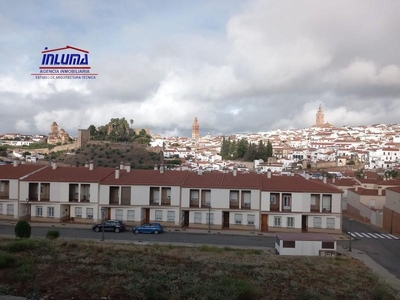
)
(66, 269)
(21, 245)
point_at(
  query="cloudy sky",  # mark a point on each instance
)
(239, 66)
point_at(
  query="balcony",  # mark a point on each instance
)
(246, 205)
(114, 201)
(194, 202)
(4, 195)
(205, 203)
(166, 201)
(234, 204)
(154, 202)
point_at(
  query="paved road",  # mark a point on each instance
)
(167, 237)
(382, 248)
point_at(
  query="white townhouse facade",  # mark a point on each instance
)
(298, 204)
(221, 200)
(58, 194)
(215, 200)
(141, 196)
(10, 176)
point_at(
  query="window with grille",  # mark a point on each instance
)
(89, 213)
(330, 223)
(10, 209)
(277, 221)
(78, 212)
(197, 217)
(50, 211)
(251, 219)
(119, 214)
(159, 214)
(210, 218)
(39, 211)
(131, 215)
(238, 218)
(171, 216)
(317, 222)
(290, 222)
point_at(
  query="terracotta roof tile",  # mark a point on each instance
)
(367, 192)
(241, 181)
(394, 189)
(70, 174)
(296, 184)
(11, 172)
(205, 180)
(147, 177)
(343, 182)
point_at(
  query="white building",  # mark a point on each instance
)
(308, 244)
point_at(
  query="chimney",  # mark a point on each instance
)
(356, 188)
(54, 165)
(200, 171)
(292, 173)
(365, 176)
(86, 164)
(324, 179)
(379, 191)
(333, 179)
(121, 165)
(91, 165)
(269, 173)
(161, 169)
(307, 176)
(384, 178)
(116, 173)
(15, 162)
(127, 167)
(155, 167)
(258, 170)
(234, 171)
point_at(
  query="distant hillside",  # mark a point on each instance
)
(105, 154)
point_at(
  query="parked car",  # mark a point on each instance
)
(110, 225)
(155, 228)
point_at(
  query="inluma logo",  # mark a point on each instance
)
(65, 59)
(65, 63)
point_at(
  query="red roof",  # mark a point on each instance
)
(343, 182)
(296, 184)
(394, 189)
(11, 172)
(70, 174)
(147, 177)
(367, 192)
(205, 180)
(241, 181)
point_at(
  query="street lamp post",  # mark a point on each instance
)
(103, 213)
(209, 218)
(351, 221)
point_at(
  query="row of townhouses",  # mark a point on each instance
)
(250, 201)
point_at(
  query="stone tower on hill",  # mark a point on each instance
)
(319, 117)
(195, 129)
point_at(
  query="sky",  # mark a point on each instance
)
(238, 66)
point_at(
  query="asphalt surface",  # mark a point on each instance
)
(385, 252)
(166, 237)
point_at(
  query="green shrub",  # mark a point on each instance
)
(52, 234)
(23, 229)
(7, 260)
(20, 245)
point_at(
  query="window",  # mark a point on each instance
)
(197, 217)
(131, 215)
(78, 212)
(194, 195)
(277, 221)
(328, 245)
(234, 196)
(317, 222)
(238, 218)
(210, 218)
(50, 211)
(10, 209)
(39, 211)
(119, 214)
(159, 215)
(251, 219)
(290, 222)
(330, 223)
(89, 213)
(247, 199)
(326, 203)
(272, 199)
(171, 216)
(286, 201)
(313, 200)
(289, 244)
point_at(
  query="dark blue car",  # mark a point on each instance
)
(155, 228)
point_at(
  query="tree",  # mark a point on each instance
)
(22, 229)
(251, 153)
(225, 148)
(262, 151)
(269, 151)
(242, 148)
(92, 130)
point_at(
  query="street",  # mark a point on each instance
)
(167, 237)
(384, 249)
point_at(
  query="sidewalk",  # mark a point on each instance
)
(370, 263)
(170, 229)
